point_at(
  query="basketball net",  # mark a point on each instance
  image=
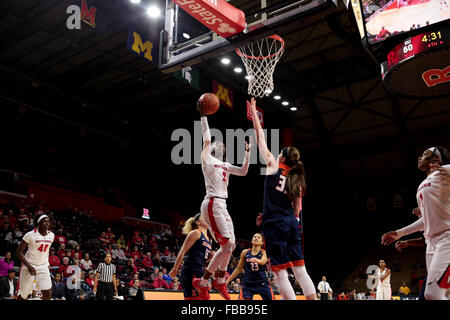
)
(260, 59)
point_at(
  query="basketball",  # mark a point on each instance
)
(208, 103)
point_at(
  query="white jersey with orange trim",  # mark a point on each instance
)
(433, 198)
(38, 247)
(386, 283)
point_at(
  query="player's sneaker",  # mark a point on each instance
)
(222, 289)
(202, 291)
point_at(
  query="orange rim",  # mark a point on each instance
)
(275, 37)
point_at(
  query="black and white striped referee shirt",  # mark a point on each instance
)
(106, 272)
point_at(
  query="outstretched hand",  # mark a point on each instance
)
(259, 220)
(253, 105)
(399, 245)
(389, 238)
(441, 170)
(416, 212)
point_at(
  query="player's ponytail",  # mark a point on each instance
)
(295, 183)
(445, 155)
(190, 224)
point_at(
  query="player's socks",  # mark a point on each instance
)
(304, 280)
(221, 280)
(204, 282)
(284, 286)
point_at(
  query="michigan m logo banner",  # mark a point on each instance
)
(142, 47)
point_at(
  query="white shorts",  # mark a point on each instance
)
(438, 259)
(215, 213)
(384, 293)
(42, 278)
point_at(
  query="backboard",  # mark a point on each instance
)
(185, 41)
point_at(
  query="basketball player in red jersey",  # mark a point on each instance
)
(433, 198)
(214, 209)
(284, 188)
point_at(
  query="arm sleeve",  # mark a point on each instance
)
(26, 237)
(413, 227)
(241, 171)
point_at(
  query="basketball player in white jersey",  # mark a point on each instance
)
(433, 198)
(383, 282)
(214, 209)
(35, 265)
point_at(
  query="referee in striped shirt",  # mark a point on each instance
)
(105, 280)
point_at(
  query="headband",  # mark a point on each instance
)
(436, 152)
(41, 217)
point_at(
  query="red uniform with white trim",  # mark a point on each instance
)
(36, 255)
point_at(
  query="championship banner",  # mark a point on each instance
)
(141, 45)
(190, 75)
(224, 94)
(260, 114)
(217, 15)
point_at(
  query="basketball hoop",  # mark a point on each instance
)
(260, 59)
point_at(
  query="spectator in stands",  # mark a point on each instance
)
(118, 254)
(160, 283)
(90, 279)
(342, 296)
(6, 264)
(12, 220)
(127, 252)
(404, 290)
(110, 235)
(121, 242)
(64, 269)
(86, 263)
(136, 254)
(130, 268)
(8, 286)
(147, 263)
(14, 237)
(77, 250)
(58, 288)
(156, 260)
(166, 277)
(104, 240)
(176, 285)
(171, 259)
(60, 239)
(53, 260)
(62, 251)
(137, 240)
(154, 274)
(107, 250)
(135, 292)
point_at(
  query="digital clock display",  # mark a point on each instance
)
(418, 44)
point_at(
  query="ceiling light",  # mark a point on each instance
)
(153, 12)
(248, 77)
(285, 103)
(293, 108)
(135, 1)
(277, 97)
(238, 70)
(268, 91)
(225, 61)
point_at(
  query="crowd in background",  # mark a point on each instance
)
(143, 257)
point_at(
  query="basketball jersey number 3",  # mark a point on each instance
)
(281, 183)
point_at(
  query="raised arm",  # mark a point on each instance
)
(192, 237)
(242, 171)
(392, 236)
(206, 152)
(260, 138)
(239, 267)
